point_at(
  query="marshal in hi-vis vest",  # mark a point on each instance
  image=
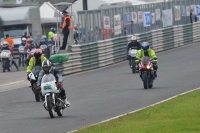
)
(64, 23)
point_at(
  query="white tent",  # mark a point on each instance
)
(49, 14)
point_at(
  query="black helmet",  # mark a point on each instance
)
(53, 30)
(46, 66)
(38, 53)
(42, 41)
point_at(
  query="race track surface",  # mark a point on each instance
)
(100, 94)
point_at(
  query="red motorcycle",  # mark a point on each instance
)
(146, 72)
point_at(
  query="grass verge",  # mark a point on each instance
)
(179, 115)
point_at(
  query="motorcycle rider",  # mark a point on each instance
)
(134, 44)
(50, 35)
(22, 55)
(146, 51)
(46, 69)
(35, 61)
(6, 46)
(30, 44)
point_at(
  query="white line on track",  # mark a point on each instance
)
(138, 109)
(12, 83)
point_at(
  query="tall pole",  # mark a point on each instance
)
(85, 5)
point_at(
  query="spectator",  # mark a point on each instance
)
(67, 25)
(24, 36)
(125, 30)
(10, 42)
(130, 28)
(191, 14)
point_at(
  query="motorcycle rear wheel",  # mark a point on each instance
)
(145, 80)
(150, 86)
(133, 66)
(4, 65)
(50, 107)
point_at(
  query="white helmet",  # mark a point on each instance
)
(5, 44)
(133, 38)
(23, 39)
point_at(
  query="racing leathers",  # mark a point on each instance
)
(150, 53)
(132, 45)
(58, 78)
(35, 62)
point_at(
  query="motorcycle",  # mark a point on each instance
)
(22, 50)
(6, 58)
(147, 72)
(132, 54)
(33, 76)
(53, 102)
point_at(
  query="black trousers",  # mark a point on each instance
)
(65, 38)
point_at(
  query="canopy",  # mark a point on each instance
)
(49, 14)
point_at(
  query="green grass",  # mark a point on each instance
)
(179, 115)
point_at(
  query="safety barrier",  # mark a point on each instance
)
(104, 53)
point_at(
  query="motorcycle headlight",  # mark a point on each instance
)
(148, 67)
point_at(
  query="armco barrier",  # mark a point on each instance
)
(104, 53)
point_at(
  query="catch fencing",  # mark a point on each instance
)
(96, 25)
(111, 51)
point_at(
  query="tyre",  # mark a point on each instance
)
(133, 67)
(59, 110)
(145, 80)
(150, 86)
(4, 65)
(50, 107)
(37, 96)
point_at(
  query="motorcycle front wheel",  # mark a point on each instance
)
(50, 106)
(145, 80)
(59, 110)
(133, 66)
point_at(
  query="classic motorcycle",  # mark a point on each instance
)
(132, 54)
(22, 50)
(53, 102)
(6, 58)
(33, 76)
(147, 72)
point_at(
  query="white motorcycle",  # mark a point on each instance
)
(53, 102)
(6, 58)
(22, 51)
(132, 54)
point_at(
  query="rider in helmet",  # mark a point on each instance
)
(50, 35)
(48, 68)
(45, 38)
(22, 55)
(43, 41)
(35, 61)
(30, 44)
(6, 46)
(146, 51)
(134, 44)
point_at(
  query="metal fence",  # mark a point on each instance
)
(95, 25)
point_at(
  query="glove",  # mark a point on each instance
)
(38, 88)
(28, 76)
(59, 84)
